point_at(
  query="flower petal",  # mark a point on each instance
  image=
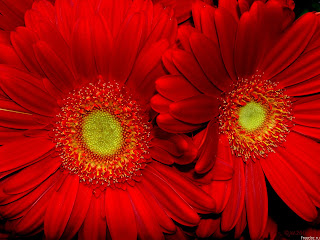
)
(175, 87)
(60, 208)
(195, 196)
(176, 207)
(147, 227)
(123, 58)
(32, 176)
(209, 57)
(170, 124)
(287, 51)
(189, 67)
(208, 152)
(195, 110)
(94, 225)
(79, 211)
(284, 181)
(235, 205)
(120, 216)
(27, 151)
(35, 99)
(256, 200)
(82, 48)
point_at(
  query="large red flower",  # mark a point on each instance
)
(78, 146)
(252, 80)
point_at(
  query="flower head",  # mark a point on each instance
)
(251, 82)
(80, 154)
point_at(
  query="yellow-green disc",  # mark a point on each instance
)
(102, 133)
(252, 116)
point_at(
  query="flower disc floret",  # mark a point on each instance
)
(102, 134)
(256, 117)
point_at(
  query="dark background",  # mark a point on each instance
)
(303, 6)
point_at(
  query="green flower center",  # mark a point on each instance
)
(102, 133)
(252, 116)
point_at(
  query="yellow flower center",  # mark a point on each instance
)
(252, 116)
(256, 117)
(102, 133)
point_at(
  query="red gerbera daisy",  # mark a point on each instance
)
(253, 81)
(78, 146)
(12, 13)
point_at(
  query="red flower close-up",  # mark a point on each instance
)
(80, 155)
(159, 119)
(249, 80)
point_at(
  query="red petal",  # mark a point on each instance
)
(170, 124)
(256, 200)
(102, 44)
(307, 131)
(175, 87)
(190, 68)
(16, 117)
(82, 48)
(220, 191)
(165, 27)
(284, 181)
(247, 42)
(234, 207)
(20, 207)
(168, 62)
(147, 227)
(195, 110)
(33, 220)
(286, 50)
(161, 155)
(307, 87)
(226, 28)
(184, 33)
(208, 25)
(241, 225)
(195, 196)
(35, 99)
(160, 104)
(48, 33)
(305, 167)
(22, 41)
(147, 60)
(306, 111)
(209, 149)
(209, 57)
(207, 227)
(304, 68)
(53, 66)
(9, 56)
(94, 225)
(65, 18)
(60, 208)
(123, 58)
(26, 151)
(258, 31)
(32, 176)
(79, 211)
(176, 207)
(164, 221)
(120, 216)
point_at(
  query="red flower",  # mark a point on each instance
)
(78, 147)
(253, 82)
(12, 13)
